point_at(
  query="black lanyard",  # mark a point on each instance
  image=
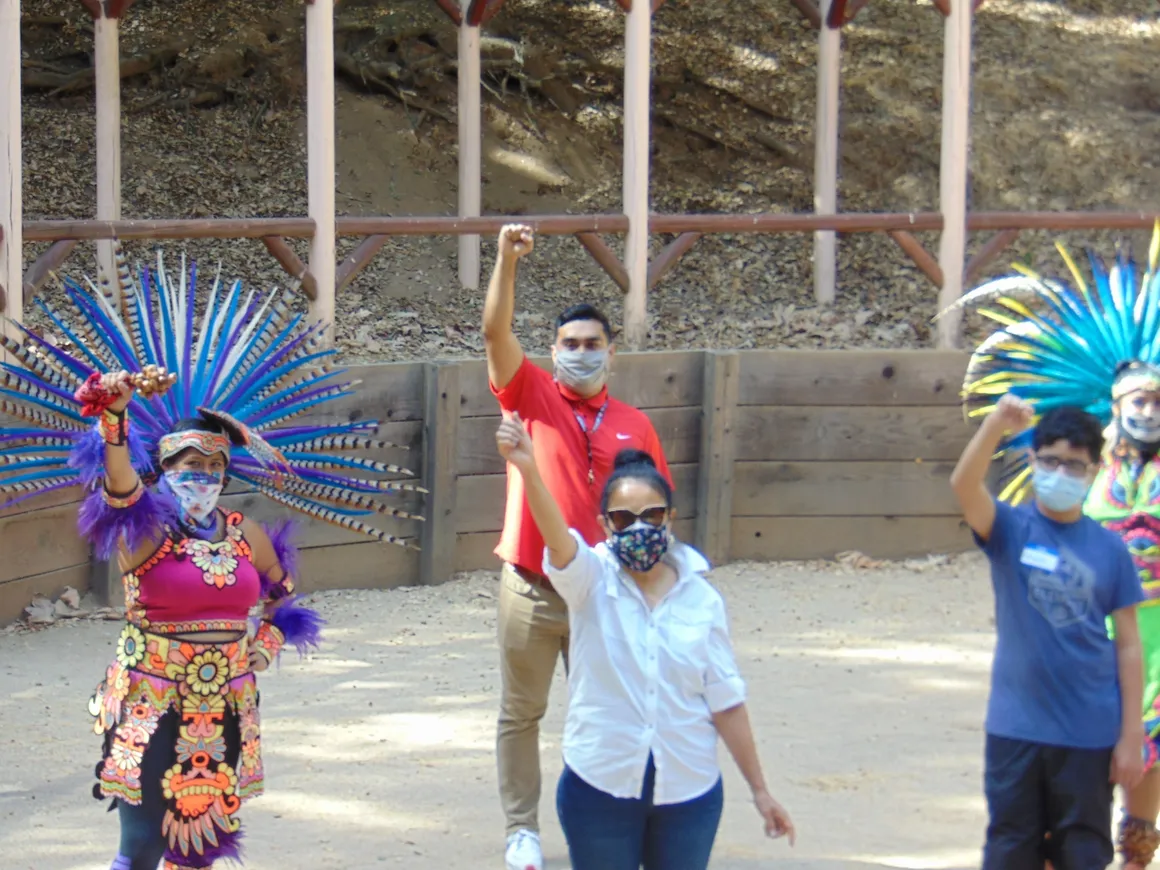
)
(588, 436)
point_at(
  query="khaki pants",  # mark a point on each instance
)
(533, 632)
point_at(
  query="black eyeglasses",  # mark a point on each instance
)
(622, 518)
(1073, 467)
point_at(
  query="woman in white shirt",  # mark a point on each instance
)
(652, 678)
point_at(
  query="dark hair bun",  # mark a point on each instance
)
(631, 457)
(1123, 367)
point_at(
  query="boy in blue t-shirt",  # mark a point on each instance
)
(1064, 722)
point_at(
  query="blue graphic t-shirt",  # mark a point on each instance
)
(1055, 678)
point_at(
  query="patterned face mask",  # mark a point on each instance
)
(640, 546)
(197, 492)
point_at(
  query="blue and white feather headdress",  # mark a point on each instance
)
(1059, 344)
(248, 360)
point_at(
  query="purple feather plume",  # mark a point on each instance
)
(88, 456)
(281, 533)
(105, 527)
(229, 848)
(299, 624)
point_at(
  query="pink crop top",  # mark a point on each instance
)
(194, 585)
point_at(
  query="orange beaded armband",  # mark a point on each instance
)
(268, 641)
(115, 428)
(120, 502)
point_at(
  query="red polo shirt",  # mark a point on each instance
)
(549, 412)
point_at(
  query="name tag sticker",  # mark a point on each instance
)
(1034, 556)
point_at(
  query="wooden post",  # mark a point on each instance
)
(320, 156)
(11, 215)
(956, 117)
(637, 51)
(440, 472)
(826, 155)
(470, 147)
(106, 42)
(714, 520)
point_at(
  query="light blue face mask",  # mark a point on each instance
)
(1059, 491)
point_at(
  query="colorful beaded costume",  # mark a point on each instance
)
(1087, 345)
(179, 718)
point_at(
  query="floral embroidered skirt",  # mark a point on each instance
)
(214, 763)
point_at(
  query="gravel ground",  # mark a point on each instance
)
(867, 692)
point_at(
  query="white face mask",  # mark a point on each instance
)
(582, 370)
(197, 492)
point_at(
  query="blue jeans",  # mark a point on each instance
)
(610, 833)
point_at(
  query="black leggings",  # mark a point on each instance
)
(141, 839)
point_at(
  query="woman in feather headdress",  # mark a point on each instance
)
(178, 411)
(1098, 348)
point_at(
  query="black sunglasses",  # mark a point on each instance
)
(622, 518)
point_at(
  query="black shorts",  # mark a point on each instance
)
(1032, 790)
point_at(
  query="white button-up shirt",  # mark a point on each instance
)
(644, 681)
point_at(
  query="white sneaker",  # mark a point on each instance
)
(523, 851)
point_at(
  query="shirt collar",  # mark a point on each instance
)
(594, 402)
(686, 560)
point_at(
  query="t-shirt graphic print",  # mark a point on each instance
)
(1055, 677)
(1064, 595)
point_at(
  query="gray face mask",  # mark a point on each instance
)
(582, 370)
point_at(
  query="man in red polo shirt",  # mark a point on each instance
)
(577, 430)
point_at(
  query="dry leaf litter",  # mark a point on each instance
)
(1065, 116)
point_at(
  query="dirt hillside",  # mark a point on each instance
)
(1066, 114)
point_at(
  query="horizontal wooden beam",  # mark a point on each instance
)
(292, 264)
(922, 258)
(605, 257)
(567, 225)
(207, 228)
(358, 259)
(547, 225)
(46, 264)
(670, 256)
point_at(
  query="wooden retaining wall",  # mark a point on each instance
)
(775, 455)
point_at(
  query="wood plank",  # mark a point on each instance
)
(678, 428)
(367, 565)
(664, 379)
(440, 451)
(825, 433)
(315, 533)
(486, 495)
(41, 541)
(70, 496)
(715, 469)
(389, 392)
(851, 377)
(820, 489)
(474, 551)
(15, 595)
(790, 538)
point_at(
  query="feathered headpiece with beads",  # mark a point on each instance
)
(253, 365)
(1061, 345)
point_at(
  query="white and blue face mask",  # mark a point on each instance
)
(197, 492)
